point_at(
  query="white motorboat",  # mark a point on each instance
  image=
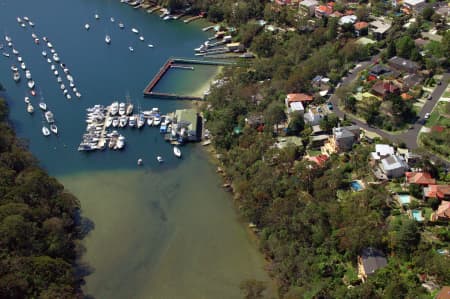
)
(14, 68)
(31, 24)
(69, 78)
(16, 76)
(49, 44)
(65, 91)
(177, 151)
(10, 44)
(23, 25)
(131, 48)
(121, 25)
(49, 60)
(54, 128)
(23, 66)
(55, 72)
(140, 121)
(134, 30)
(33, 35)
(33, 92)
(112, 19)
(30, 108)
(19, 20)
(96, 16)
(120, 142)
(114, 108)
(28, 74)
(74, 89)
(8, 39)
(59, 79)
(53, 51)
(159, 159)
(19, 59)
(72, 85)
(107, 39)
(141, 38)
(122, 109)
(49, 117)
(87, 26)
(26, 18)
(27, 100)
(66, 70)
(55, 57)
(140, 162)
(53, 67)
(15, 52)
(44, 53)
(5, 54)
(45, 131)
(68, 96)
(115, 122)
(77, 94)
(150, 121)
(123, 121)
(43, 106)
(36, 41)
(108, 122)
(62, 86)
(156, 121)
(132, 121)
(150, 45)
(31, 84)
(45, 39)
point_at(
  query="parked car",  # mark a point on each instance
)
(330, 106)
(427, 116)
(429, 98)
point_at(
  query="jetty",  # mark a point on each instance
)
(181, 63)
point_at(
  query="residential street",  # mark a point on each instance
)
(409, 137)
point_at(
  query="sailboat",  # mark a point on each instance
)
(54, 128)
(45, 131)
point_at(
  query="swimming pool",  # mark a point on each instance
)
(356, 185)
(417, 215)
(404, 199)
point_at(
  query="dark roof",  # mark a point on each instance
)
(372, 259)
(402, 63)
(379, 69)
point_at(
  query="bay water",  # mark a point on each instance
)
(161, 230)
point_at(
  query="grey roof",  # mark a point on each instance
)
(379, 69)
(392, 162)
(372, 259)
(403, 63)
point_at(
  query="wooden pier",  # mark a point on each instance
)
(177, 63)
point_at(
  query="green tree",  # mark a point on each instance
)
(404, 46)
(264, 44)
(274, 114)
(391, 50)
(296, 124)
(427, 12)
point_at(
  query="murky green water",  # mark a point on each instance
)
(161, 231)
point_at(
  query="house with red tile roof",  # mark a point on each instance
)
(298, 97)
(443, 212)
(419, 178)
(383, 88)
(437, 191)
(323, 11)
(444, 293)
(361, 28)
(319, 159)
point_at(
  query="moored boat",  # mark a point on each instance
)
(5, 54)
(16, 76)
(87, 26)
(49, 117)
(43, 106)
(131, 48)
(177, 151)
(96, 16)
(159, 159)
(28, 74)
(30, 108)
(54, 128)
(107, 39)
(44, 53)
(121, 25)
(31, 84)
(141, 38)
(134, 30)
(45, 131)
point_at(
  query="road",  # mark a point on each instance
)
(409, 137)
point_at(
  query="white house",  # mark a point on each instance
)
(393, 166)
(382, 151)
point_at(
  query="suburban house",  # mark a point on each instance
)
(419, 178)
(308, 6)
(442, 213)
(319, 159)
(403, 65)
(437, 191)
(323, 11)
(413, 6)
(380, 70)
(318, 141)
(295, 107)
(350, 19)
(379, 28)
(361, 28)
(384, 88)
(369, 261)
(301, 99)
(255, 120)
(312, 117)
(444, 293)
(321, 83)
(382, 151)
(410, 80)
(341, 140)
(393, 166)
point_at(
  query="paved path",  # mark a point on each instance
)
(409, 137)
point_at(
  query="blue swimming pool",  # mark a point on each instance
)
(404, 199)
(356, 185)
(417, 215)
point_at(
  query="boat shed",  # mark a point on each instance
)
(189, 120)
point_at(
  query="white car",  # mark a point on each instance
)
(427, 116)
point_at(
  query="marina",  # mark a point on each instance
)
(147, 216)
